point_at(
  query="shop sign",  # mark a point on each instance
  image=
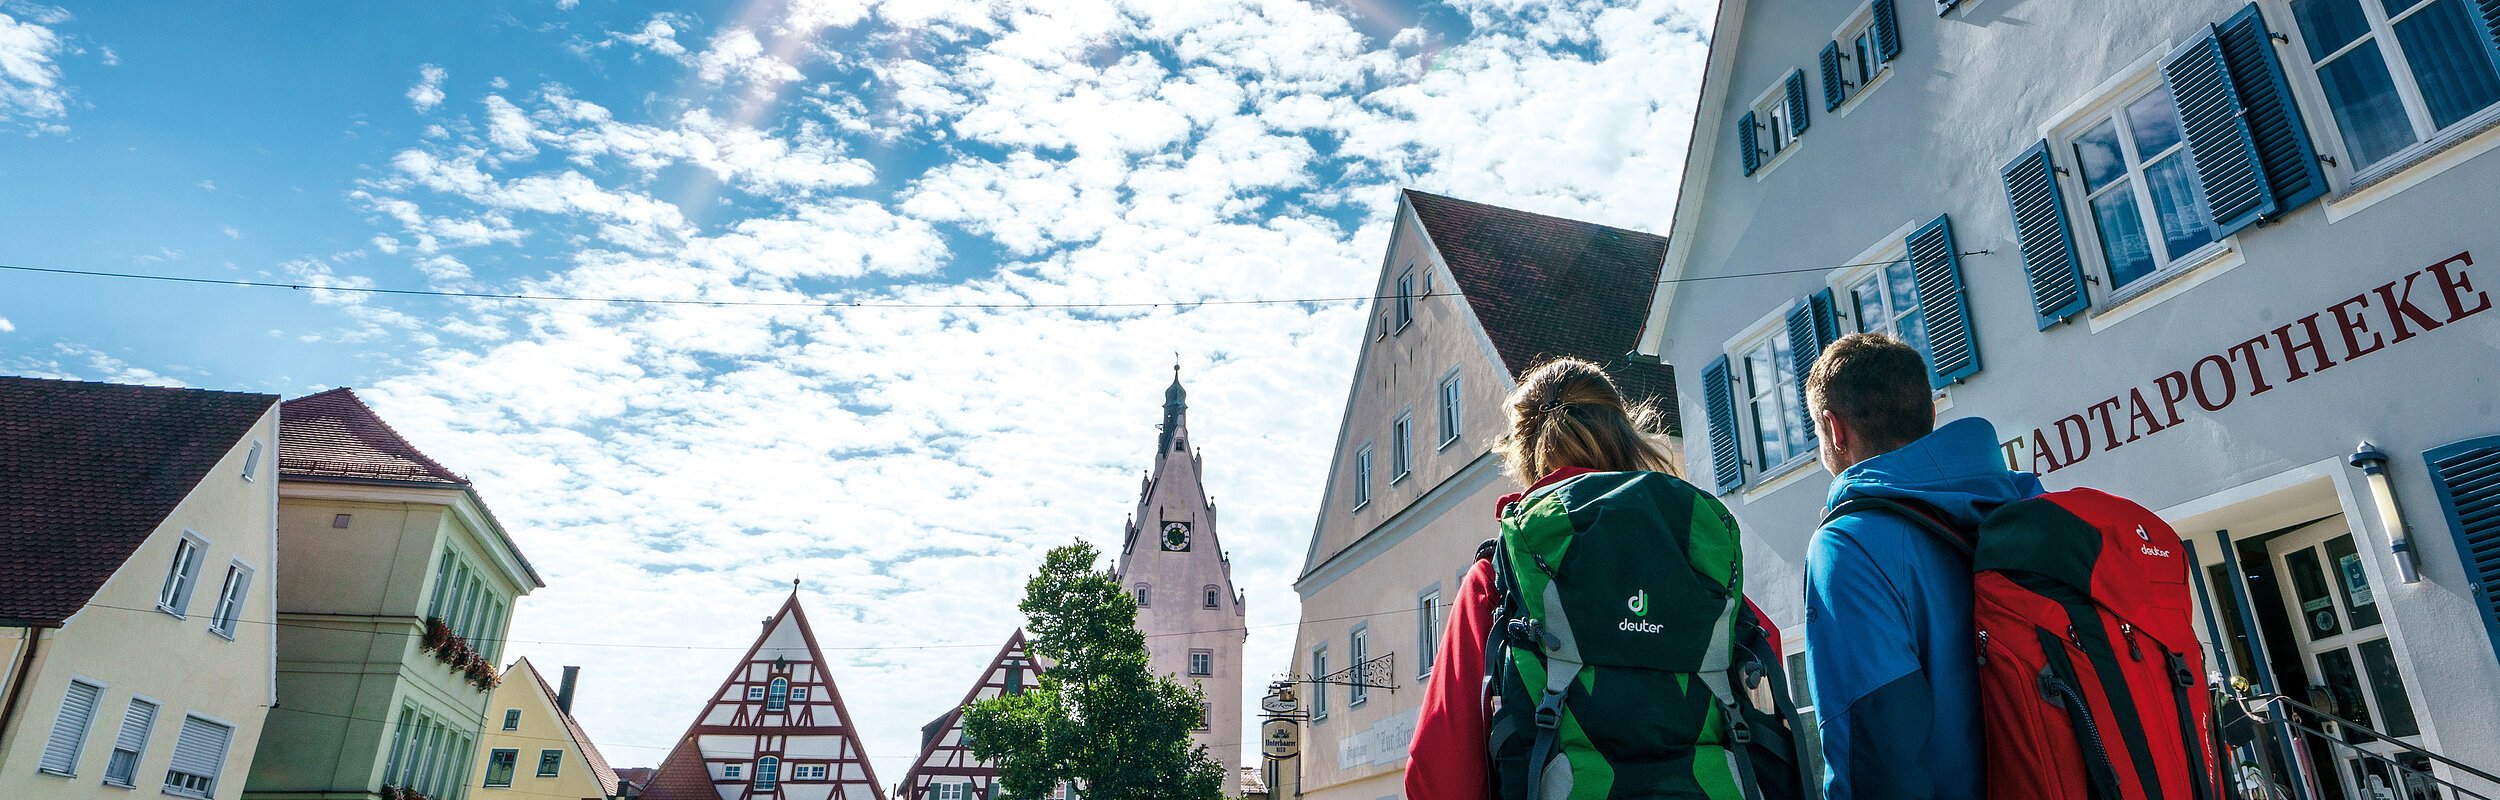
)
(2389, 314)
(1280, 738)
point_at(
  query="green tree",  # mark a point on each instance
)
(1097, 718)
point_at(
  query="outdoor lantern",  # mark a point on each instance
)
(2373, 464)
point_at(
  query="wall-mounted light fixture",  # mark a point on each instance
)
(2373, 466)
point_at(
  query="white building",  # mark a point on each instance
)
(776, 728)
(1186, 604)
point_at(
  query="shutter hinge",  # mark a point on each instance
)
(2279, 37)
(2326, 159)
(2061, 170)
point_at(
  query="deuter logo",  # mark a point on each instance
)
(2146, 548)
(1639, 604)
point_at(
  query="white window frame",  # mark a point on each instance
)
(732, 771)
(2320, 116)
(767, 773)
(1776, 140)
(1358, 653)
(1362, 476)
(798, 694)
(948, 790)
(232, 596)
(139, 756)
(1453, 405)
(1768, 335)
(1861, 23)
(755, 694)
(1405, 300)
(183, 575)
(78, 752)
(781, 703)
(1402, 447)
(1319, 682)
(1202, 656)
(1427, 629)
(251, 463)
(2109, 102)
(213, 780)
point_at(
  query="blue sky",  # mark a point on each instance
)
(669, 469)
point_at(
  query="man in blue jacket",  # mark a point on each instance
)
(1889, 639)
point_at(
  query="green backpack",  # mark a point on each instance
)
(1623, 659)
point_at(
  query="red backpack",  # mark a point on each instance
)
(2090, 675)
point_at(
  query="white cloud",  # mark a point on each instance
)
(206, 185)
(6, 326)
(31, 93)
(428, 92)
(737, 54)
(231, 232)
(658, 35)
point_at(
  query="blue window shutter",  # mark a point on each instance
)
(2274, 125)
(1887, 30)
(2047, 241)
(2487, 12)
(1746, 140)
(1952, 350)
(2252, 152)
(1811, 325)
(2467, 477)
(1835, 87)
(1826, 316)
(1798, 118)
(1720, 400)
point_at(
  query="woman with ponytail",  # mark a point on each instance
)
(1567, 420)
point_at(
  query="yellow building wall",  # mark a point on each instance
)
(121, 641)
(540, 729)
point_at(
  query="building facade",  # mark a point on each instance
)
(946, 768)
(391, 620)
(137, 546)
(1172, 561)
(2193, 252)
(1475, 295)
(533, 749)
(776, 728)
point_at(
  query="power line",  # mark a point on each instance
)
(835, 304)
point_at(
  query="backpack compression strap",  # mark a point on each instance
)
(1919, 514)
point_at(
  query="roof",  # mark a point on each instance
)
(681, 776)
(599, 768)
(1545, 287)
(635, 777)
(1252, 781)
(335, 435)
(88, 471)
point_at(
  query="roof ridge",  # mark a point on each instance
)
(1524, 213)
(364, 446)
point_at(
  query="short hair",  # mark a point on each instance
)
(1878, 384)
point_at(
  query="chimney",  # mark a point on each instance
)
(564, 693)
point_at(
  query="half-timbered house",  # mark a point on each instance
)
(776, 729)
(946, 769)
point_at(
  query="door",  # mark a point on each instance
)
(2353, 671)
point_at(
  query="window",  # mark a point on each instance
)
(1859, 53)
(1862, 57)
(131, 744)
(1770, 116)
(1770, 397)
(230, 599)
(69, 729)
(175, 597)
(1427, 630)
(1406, 299)
(2396, 72)
(1401, 447)
(442, 586)
(549, 761)
(2141, 188)
(399, 745)
(779, 698)
(755, 693)
(1449, 409)
(511, 719)
(1201, 662)
(767, 772)
(251, 463)
(500, 765)
(949, 791)
(1358, 655)
(1363, 476)
(732, 770)
(1215, 597)
(1206, 716)
(1885, 300)
(1145, 596)
(807, 772)
(199, 756)
(798, 694)
(1319, 685)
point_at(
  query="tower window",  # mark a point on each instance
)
(1214, 597)
(1145, 598)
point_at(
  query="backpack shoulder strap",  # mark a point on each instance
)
(1918, 514)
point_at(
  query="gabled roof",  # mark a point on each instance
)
(599, 769)
(335, 435)
(1544, 286)
(994, 679)
(88, 471)
(684, 775)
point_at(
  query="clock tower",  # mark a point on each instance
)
(1186, 604)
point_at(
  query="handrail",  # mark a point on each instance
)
(2249, 701)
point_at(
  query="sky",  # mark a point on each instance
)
(669, 469)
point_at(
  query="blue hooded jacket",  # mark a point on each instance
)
(1889, 638)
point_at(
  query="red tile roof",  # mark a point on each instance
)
(599, 768)
(88, 471)
(1546, 286)
(681, 776)
(335, 435)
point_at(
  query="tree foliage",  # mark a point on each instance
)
(1098, 717)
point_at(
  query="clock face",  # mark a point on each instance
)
(1176, 537)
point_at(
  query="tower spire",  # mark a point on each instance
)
(1175, 407)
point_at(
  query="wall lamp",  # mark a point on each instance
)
(2373, 465)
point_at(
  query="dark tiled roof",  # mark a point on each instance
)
(634, 777)
(681, 776)
(88, 471)
(335, 435)
(1545, 286)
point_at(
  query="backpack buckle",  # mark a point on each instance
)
(1737, 730)
(1524, 632)
(1549, 713)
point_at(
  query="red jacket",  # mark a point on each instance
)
(1449, 759)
